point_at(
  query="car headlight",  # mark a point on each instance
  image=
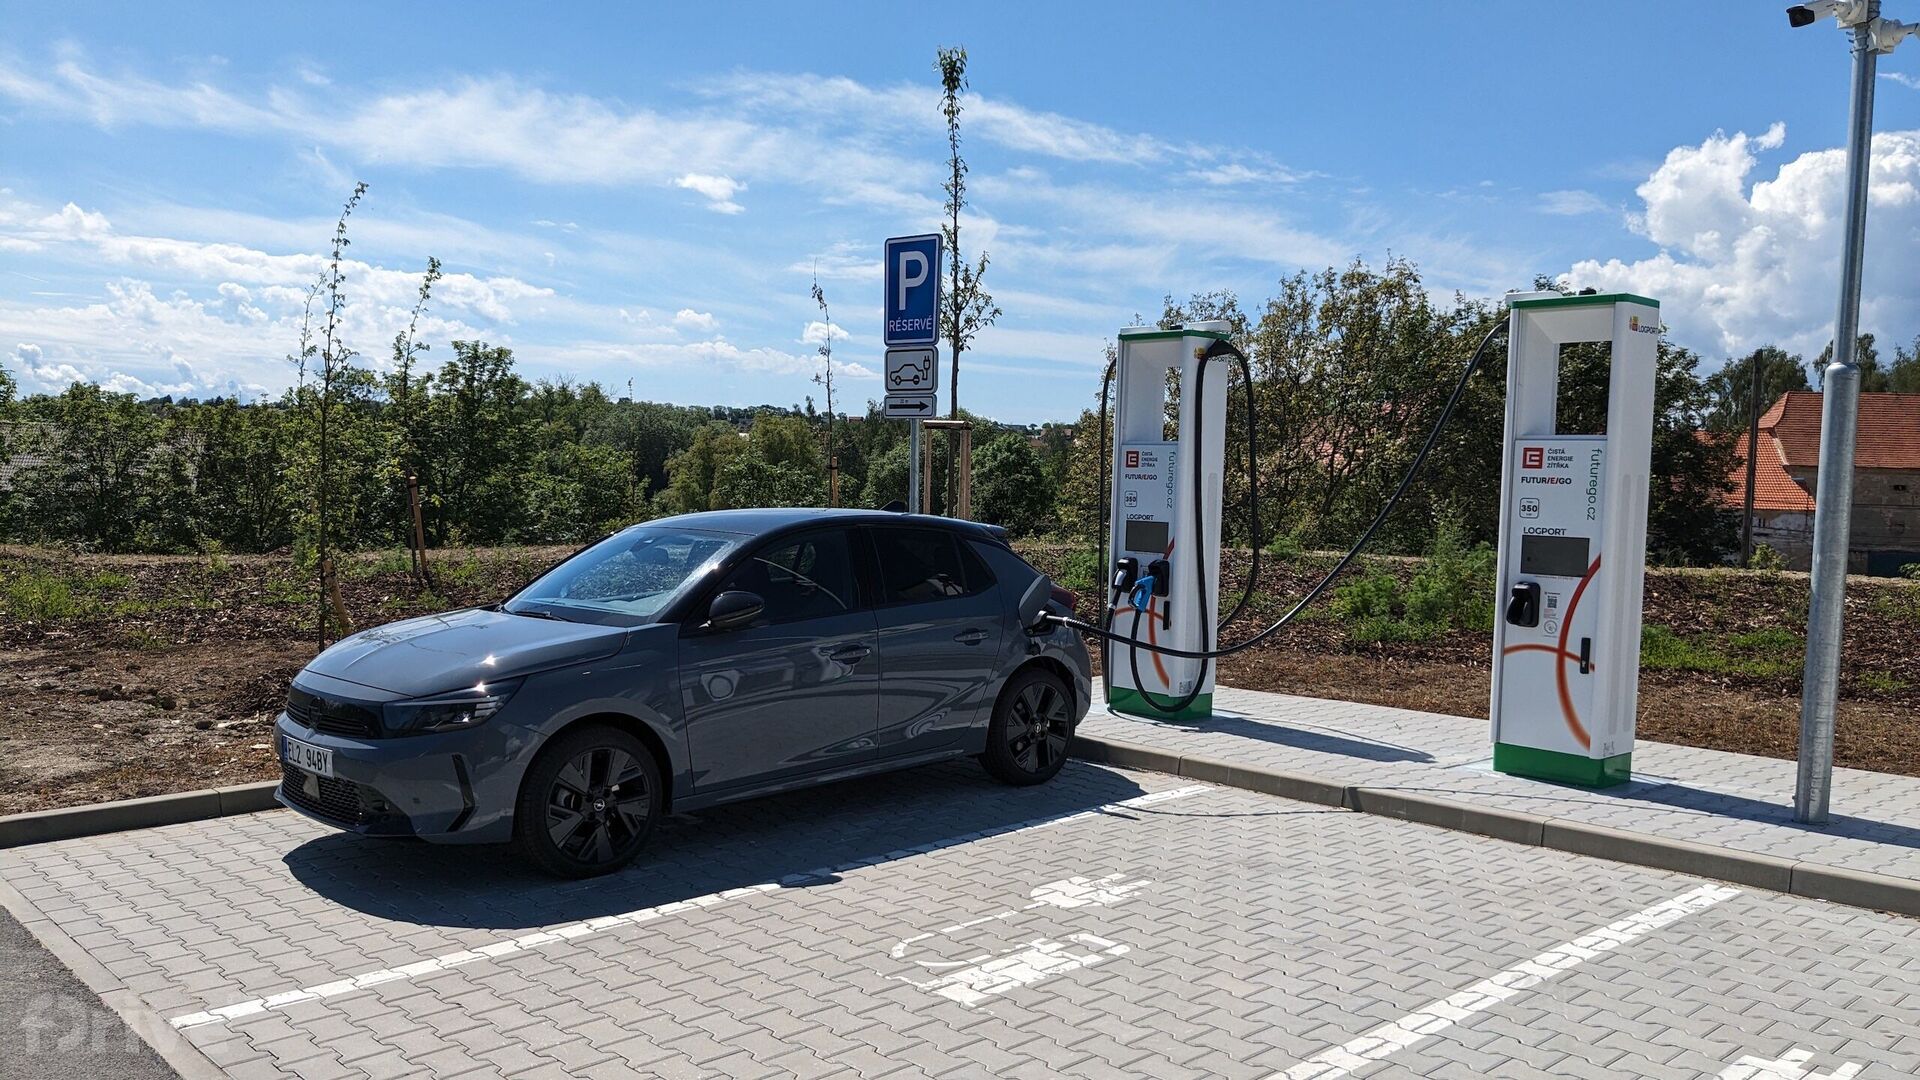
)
(453, 711)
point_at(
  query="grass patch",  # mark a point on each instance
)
(389, 562)
(33, 594)
(1880, 682)
(1765, 654)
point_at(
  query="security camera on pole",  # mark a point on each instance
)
(912, 336)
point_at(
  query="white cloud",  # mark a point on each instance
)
(1235, 172)
(816, 333)
(1901, 77)
(1572, 203)
(689, 319)
(718, 190)
(1742, 265)
(846, 260)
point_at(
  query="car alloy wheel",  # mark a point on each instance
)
(1038, 729)
(598, 806)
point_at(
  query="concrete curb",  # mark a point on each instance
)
(1816, 881)
(40, 826)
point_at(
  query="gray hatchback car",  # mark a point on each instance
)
(681, 663)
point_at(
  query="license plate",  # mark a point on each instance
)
(314, 759)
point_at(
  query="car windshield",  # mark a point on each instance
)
(627, 577)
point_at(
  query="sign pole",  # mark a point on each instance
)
(913, 466)
(911, 321)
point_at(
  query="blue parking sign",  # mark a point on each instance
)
(912, 306)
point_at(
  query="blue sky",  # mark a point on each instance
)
(639, 193)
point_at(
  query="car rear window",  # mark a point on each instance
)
(918, 565)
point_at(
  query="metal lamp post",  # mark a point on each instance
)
(1839, 407)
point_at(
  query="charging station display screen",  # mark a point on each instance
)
(1554, 556)
(1145, 536)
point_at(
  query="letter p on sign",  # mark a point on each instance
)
(912, 271)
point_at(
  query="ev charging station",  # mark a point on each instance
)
(1152, 517)
(1573, 539)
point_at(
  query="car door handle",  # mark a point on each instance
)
(849, 654)
(970, 637)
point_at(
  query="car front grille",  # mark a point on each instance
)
(333, 717)
(334, 799)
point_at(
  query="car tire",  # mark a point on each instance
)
(1031, 727)
(588, 803)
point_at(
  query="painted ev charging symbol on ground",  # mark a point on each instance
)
(1791, 1065)
(991, 965)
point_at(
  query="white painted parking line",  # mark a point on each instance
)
(1388, 1039)
(571, 931)
(1791, 1065)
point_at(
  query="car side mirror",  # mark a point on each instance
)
(734, 609)
(1033, 602)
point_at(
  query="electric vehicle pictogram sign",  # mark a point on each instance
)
(911, 309)
(913, 371)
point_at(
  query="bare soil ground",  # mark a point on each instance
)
(1728, 697)
(123, 676)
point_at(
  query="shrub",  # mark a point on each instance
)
(1373, 595)
(1454, 587)
(1766, 558)
(1080, 571)
(1286, 546)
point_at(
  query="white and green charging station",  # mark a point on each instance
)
(1152, 516)
(1573, 540)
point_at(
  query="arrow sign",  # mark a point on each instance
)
(911, 406)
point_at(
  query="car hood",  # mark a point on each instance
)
(460, 648)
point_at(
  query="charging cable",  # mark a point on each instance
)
(1105, 634)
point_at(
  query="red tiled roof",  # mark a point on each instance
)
(1888, 436)
(1773, 489)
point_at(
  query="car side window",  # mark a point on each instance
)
(918, 565)
(809, 576)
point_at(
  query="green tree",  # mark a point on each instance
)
(1729, 388)
(1904, 376)
(336, 373)
(1866, 357)
(7, 440)
(240, 455)
(967, 308)
(780, 466)
(480, 431)
(92, 487)
(1011, 486)
(691, 472)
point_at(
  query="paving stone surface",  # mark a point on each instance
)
(1736, 801)
(934, 923)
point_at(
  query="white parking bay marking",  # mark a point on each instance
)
(367, 980)
(1040, 959)
(1791, 1065)
(1388, 1039)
